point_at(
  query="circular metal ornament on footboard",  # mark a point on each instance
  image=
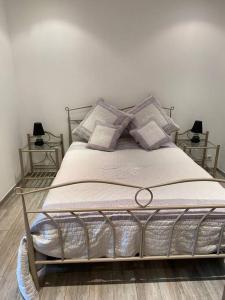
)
(138, 201)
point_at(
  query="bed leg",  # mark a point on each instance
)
(33, 269)
(31, 256)
(30, 246)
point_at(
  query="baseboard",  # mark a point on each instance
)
(8, 194)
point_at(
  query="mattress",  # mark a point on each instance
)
(129, 164)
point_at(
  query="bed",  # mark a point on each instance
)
(125, 205)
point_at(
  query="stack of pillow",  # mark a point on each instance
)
(146, 122)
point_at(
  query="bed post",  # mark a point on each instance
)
(205, 150)
(62, 145)
(30, 246)
(176, 137)
(171, 109)
(69, 125)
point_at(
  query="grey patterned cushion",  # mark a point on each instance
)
(150, 136)
(102, 112)
(148, 109)
(105, 137)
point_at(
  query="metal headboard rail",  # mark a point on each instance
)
(71, 121)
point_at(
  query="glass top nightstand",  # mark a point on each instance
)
(41, 163)
(205, 153)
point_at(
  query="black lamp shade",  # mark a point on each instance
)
(197, 127)
(38, 129)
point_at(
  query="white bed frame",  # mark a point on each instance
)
(138, 206)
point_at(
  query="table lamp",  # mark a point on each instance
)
(196, 129)
(38, 131)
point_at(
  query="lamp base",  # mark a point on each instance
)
(39, 142)
(195, 139)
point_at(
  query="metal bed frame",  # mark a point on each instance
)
(139, 206)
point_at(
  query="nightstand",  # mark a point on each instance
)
(205, 153)
(41, 163)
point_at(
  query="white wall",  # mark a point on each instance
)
(9, 121)
(71, 52)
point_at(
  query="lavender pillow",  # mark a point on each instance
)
(105, 137)
(148, 109)
(150, 136)
(104, 113)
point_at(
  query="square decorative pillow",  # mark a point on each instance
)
(148, 109)
(101, 112)
(150, 136)
(105, 137)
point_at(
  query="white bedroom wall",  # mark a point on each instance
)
(71, 52)
(9, 121)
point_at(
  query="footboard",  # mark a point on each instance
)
(139, 206)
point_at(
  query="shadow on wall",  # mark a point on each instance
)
(106, 46)
(122, 25)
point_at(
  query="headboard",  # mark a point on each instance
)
(76, 115)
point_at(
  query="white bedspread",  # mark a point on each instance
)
(132, 165)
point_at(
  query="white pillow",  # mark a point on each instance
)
(105, 137)
(149, 109)
(150, 136)
(104, 113)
